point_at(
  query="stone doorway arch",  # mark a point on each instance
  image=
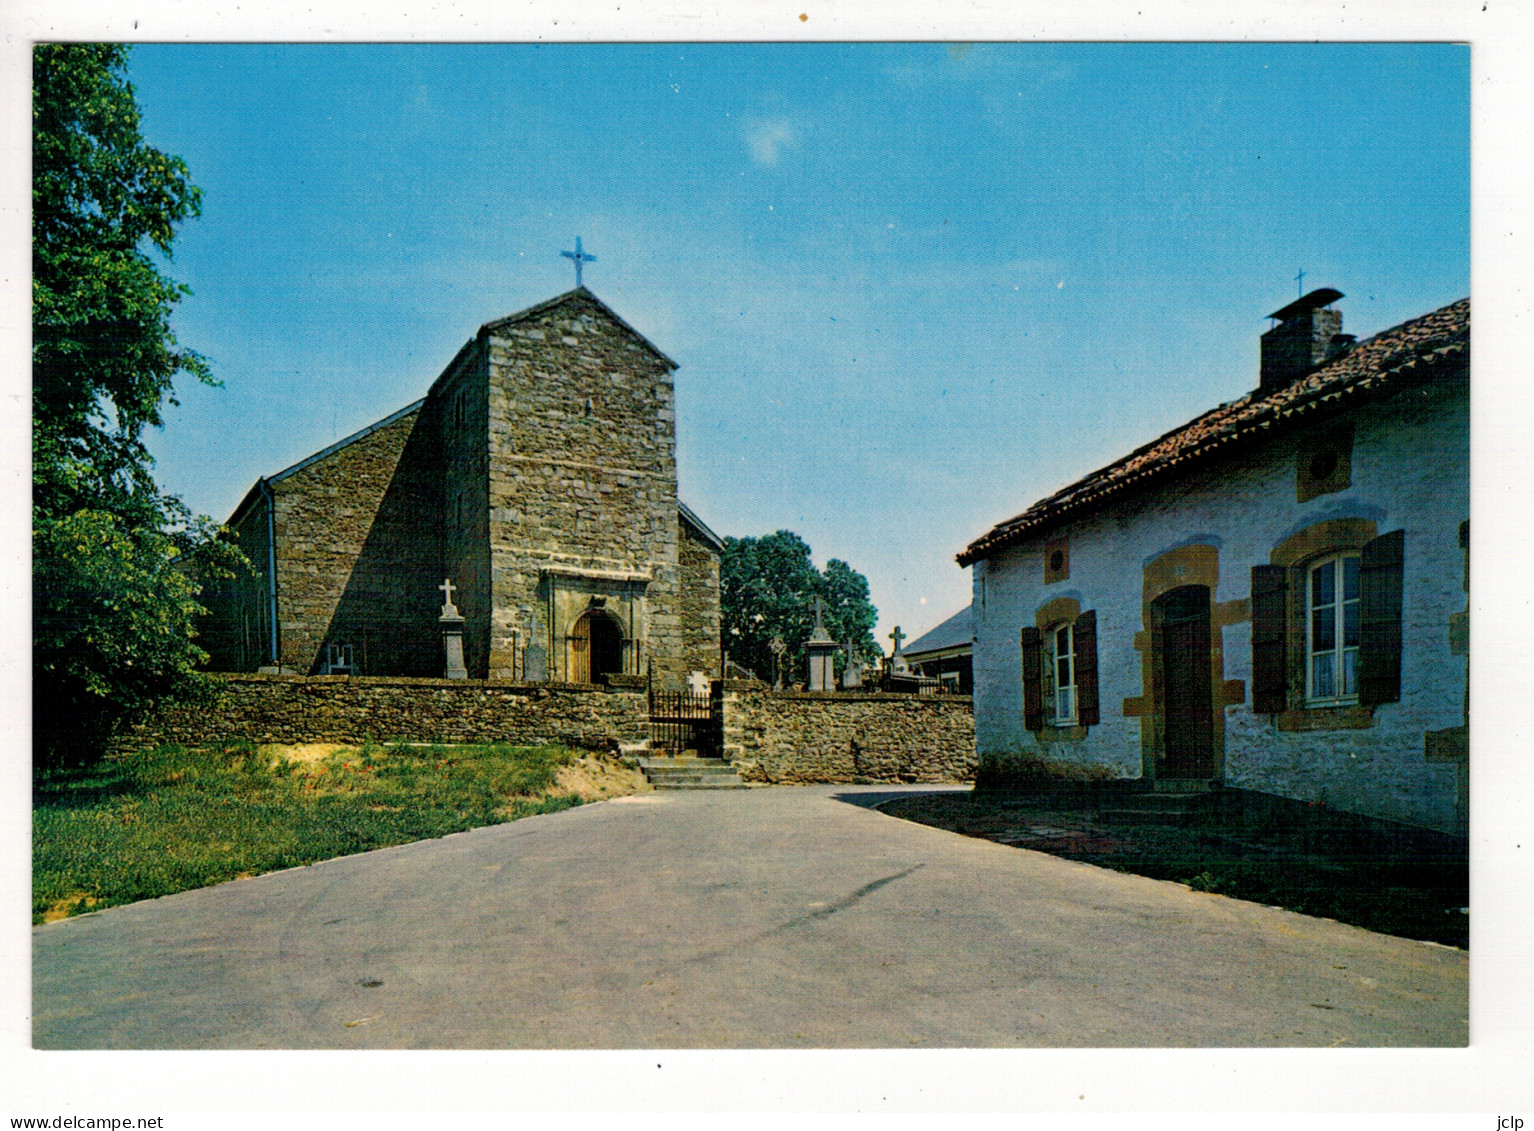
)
(596, 647)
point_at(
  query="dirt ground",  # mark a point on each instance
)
(589, 777)
(1409, 887)
(598, 779)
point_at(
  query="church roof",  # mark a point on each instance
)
(568, 296)
(955, 632)
(1412, 351)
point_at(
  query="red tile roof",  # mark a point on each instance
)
(1410, 351)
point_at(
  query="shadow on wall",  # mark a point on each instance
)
(389, 609)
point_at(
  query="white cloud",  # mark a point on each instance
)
(768, 139)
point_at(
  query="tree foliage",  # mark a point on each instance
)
(115, 561)
(769, 586)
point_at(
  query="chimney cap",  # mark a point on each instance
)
(1324, 296)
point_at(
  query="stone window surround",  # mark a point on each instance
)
(1324, 463)
(1057, 550)
(1297, 553)
(1057, 613)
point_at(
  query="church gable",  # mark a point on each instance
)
(582, 487)
(577, 303)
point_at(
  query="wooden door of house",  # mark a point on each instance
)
(1181, 620)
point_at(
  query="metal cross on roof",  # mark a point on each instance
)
(580, 257)
(1300, 278)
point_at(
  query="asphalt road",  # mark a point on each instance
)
(784, 917)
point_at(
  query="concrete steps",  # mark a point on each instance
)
(686, 772)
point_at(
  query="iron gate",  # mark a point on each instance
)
(683, 721)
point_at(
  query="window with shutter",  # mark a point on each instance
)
(1086, 669)
(1326, 626)
(1270, 624)
(1033, 678)
(1381, 584)
(1060, 670)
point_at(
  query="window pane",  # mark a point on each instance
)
(1350, 579)
(1063, 672)
(1349, 674)
(1063, 641)
(1350, 625)
(1063, 703)
(1323, 630)
(1321, 683)
(1323, 584)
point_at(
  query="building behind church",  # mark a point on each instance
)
(1271, 597)
(537, 476)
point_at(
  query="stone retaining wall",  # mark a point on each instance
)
(827, 737)
(271, 708)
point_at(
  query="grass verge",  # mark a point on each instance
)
(160, 821)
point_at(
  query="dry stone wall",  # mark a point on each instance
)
(827, 737)
(286, 709)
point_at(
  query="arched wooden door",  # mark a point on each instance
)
(1180, 623)
(596, 648)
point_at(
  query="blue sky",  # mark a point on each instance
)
(911, 288)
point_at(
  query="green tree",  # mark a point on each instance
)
(768, 589)
(115, 561)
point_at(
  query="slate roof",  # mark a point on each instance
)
(1413, 351)
(958, 630)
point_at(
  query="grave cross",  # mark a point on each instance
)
(580, 257)
(447, 588)
(897, 636)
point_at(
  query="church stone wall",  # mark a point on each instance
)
(324, 520)
(699, 603)
(236, 633)
(459, 415)
(293, 709)
(829, 737)
(582, 489)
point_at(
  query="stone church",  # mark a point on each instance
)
(537, 477)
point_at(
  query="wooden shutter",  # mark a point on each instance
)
(1086, 669)
(1033, 679)
(1381, 569)
(1270, 635)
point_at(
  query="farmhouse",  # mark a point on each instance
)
(1272, 597)
(534, 487)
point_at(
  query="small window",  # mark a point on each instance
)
(1063, 653)
(339, 659)
(1331, 645)
(1057, 561)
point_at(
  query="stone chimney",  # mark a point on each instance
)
(1308, 335)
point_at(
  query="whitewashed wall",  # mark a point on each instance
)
(1410, 470)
